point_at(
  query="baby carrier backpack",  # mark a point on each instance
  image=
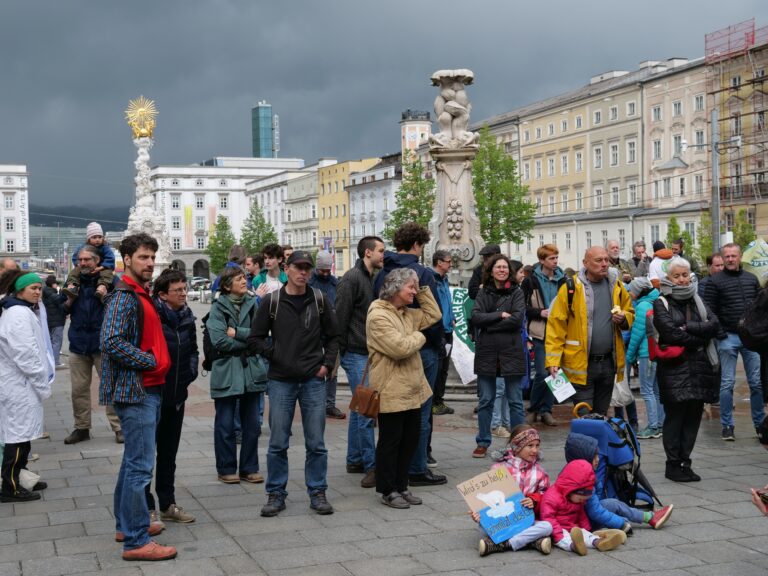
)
(620, 460)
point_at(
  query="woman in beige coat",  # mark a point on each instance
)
(394, 341)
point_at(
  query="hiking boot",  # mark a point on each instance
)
(479, 452)
(152, 529)
(395, 500)
(319, 503)
(275, 504)
(176, 513)
(355, 468)
(252, 478)
(20, 495)
(548, 419)
(693, 477)
(611, 540)
(677, 474)
(441, 409)
(431, 462)
(426, 479)
(334, 412)
(410, 498)
(119, 437)
(487, 546)
(369, 480)
(70, 291)
(500, 432)
(152, 552)
(728, 434)
(40, 486)
(543, 545)
(77, 435)
(229, 478)
(660, 516)
(577, 542)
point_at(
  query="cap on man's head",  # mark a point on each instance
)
(658, 245)
(300, 257)
(93, 229)
(323, 260)
(490, 250)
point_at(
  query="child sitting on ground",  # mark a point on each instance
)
(563, 506)
(94, 235)
(608, 512)
(521, 459)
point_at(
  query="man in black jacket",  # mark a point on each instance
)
(354, 295)
(728, 294)
(486, 252)
(57, 317)
(301, 354)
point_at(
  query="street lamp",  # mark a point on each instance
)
(715, 143)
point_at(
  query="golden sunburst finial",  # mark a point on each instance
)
(140, 115)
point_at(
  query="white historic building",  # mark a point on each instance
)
(14, 212)
(371, 198)
(193, 196)
(301, 229)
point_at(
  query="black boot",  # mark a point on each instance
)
(677, 473)
(693, 477)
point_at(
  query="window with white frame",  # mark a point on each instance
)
(8, 201)
(690, 227)
(527, 136)
(538, 133)
(554, 238)
(175, 201)
(175, 222)
(698, 102)
(656, 113)
(579, 161)
(614, 154)
(288, 216)
(176, 243)
(657, 149)
(199, 201)
(614, 196)
(631, 151)
(728, 221)
(538, 169)
(199, 222)
(579, 200)
(613, 113)
(550, 166)
(698, 184)
(597, 117)
(201, 242)
(527, 171)
(551, 203)
(656, 189)
(632, 192)
(578, 122)
(551, 129)
(313, 209)
(667, 187)
(604, 235)
(655, 235)
(568, 241)
(597, 157)
(564, 164)
(314, 238)
(622, 239)
(681, 185)
(698, 137)
(736, 81)
(564, 202)
(336, 211)
(677, 143)
(10, 246)
(598, 200)
(538, 205)
(677, 108)
(631, 108)
(10, 224)
(541, 239)
(588, 238)
(563, 125)
(223, 201)
(343, 209)
(529, 245)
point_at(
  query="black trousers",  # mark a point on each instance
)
(681, 426)
(398, 441)
(599, 387)
(442, 371)
(168, 438)
(14, 459)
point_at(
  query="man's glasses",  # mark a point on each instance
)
(178, 291)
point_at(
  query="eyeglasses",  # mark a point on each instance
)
(447, 261)
(178, 291)
(85, 259)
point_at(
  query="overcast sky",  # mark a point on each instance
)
(339, 73)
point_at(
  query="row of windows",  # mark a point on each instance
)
(664, 188)
(199, 182)
(597, 119)
(677, 144)
(333, 211)
(564, 164)
(677, 108)
(335, 234)
(333, 187)
(199, 201)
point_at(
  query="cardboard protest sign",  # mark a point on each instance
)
(496, 496)
(561, 387)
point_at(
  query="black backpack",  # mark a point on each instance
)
(210, 354)
(753, 325)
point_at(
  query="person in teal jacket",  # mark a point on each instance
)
(643, 293)
(235, 375)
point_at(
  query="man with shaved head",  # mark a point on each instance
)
(584, 331)
(7, 264)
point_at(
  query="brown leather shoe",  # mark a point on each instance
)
(253, 478)
(229, 478)
(154, 529)
(369, 480)
(151, 552)
(479, 452)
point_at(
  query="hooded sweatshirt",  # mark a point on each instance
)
(583, 447)
(557, 509)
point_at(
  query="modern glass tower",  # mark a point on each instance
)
(263, 126)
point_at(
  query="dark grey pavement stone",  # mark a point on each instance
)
(7, 537)
(659, 559)
(393, 566)
(704, 532)
(25, 521)
(10, 569)
(288, 541)
(18, 552)
(310, 555)
(736, 568)
(83, 515)
(242, 564)
(49, 532)
(397, 546)
(320, 570)
(61, 565)
(720, 552)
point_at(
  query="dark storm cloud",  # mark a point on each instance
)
(338, 73)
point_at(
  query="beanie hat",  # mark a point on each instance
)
(640, 285)
(93, 229)
(323, 260)
(658, 245)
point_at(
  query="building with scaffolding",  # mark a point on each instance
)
(736, 59)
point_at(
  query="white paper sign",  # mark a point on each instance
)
(560, 385)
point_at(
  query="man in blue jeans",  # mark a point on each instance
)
(728, 293)
(135, 360)
(301, 353)
(409, 241)
(354, 295)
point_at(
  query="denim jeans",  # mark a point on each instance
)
(224, 443)
(649, 390)
(542, 398)
(500, 406)
(728, 350)
(57, 337)
(361, 442)
(621, 509)
(283, 397)
(139, 424)
(330, 392)
(627, 413)
(486, 386)
(430, 359)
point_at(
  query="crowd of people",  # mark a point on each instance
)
(281, 324)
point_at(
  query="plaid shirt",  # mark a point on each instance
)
(123, 362)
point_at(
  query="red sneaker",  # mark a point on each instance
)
(480, 452)
(660, 516)
(151, 552)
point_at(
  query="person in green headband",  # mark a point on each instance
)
(26, 280)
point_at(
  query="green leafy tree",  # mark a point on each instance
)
(414, 200)
(704, 233)
(256, 231)
(219, 244)
(743, 231)
(502, 203)
(673, 232)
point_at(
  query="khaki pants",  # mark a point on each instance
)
(81, 375)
